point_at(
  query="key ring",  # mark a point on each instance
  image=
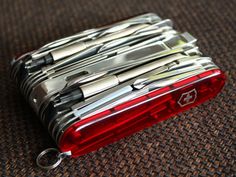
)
(59, 155)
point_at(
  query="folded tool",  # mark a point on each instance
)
(100, 85)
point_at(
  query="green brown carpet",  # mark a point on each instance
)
(200, 142)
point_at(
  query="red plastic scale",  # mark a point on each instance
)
(123, 120)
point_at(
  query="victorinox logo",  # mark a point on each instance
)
(187, 98)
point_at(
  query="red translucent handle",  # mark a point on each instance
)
(111, 125)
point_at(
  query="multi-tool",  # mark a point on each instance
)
(103, 84)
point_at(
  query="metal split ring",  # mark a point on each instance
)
(60, 156)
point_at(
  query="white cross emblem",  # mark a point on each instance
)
(187, 98)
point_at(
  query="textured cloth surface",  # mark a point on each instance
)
(199, 142)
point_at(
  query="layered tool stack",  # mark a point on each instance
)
(102, 84)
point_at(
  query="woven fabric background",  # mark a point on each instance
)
(199, 142)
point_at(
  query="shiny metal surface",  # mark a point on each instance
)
(93, 60)
(166, 79)
(52, 86)
(108, 66)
